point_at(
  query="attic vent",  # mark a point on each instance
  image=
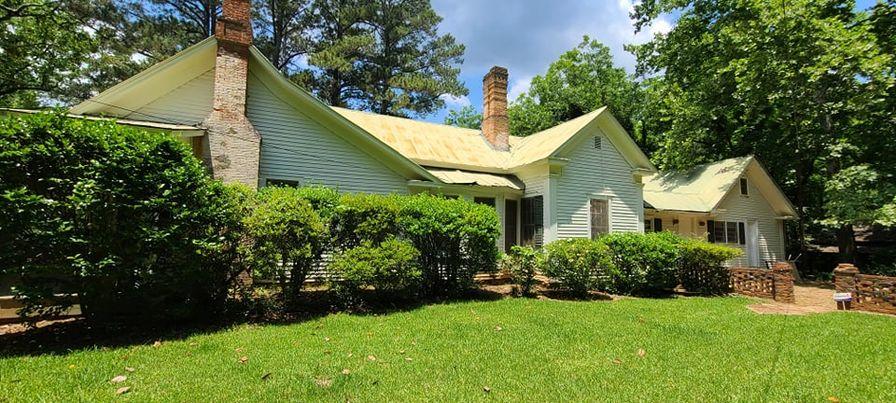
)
(597, 143)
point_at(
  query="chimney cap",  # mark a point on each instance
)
(496, 70)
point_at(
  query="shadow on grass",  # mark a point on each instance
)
(66, 336)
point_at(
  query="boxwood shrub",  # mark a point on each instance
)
(127, 220)
(456, 239)
(580, 265)
(389, 268)
(645, 263)
(287, 236)
(700, 266)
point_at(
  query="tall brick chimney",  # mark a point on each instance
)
(495, 126)
(233, 144)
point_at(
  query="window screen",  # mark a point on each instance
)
(600, 218)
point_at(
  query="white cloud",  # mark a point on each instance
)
(455, 101)
(660, 26)
(518, 87)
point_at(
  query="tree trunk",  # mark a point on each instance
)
(846, 242)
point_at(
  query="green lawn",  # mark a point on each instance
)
(514, 349)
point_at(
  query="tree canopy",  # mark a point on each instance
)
(789, 81)
(386, 56)
(581, 80)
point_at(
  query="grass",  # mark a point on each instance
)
(695, 349)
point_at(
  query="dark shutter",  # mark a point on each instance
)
(532, 217)
(509, 224)
(657, 225)
(711, 230)
(741, 233)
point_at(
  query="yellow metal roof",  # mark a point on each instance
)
(702, 188)
(458, 177)
(698, 189)
(541, 145)
(430, 143)
(446, 146)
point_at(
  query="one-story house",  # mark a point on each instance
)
(733, 202)
(581, 178)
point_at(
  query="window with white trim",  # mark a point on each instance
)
(732, 232)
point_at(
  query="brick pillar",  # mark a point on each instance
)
(782, 275)
(845, 278)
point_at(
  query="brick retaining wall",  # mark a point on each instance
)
(776, 284)
(869, 292)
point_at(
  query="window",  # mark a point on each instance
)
(600, 217)
(509, 224)
(488, 201)
(653, 225)
(532, 219)
(726, 232)
(744, 189)
(281, 182)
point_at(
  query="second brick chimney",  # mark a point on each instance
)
(233, 145)
(495, 125)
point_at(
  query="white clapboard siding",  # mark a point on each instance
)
(188, 104)
(735, 207)
(594, 173)
(295, 147)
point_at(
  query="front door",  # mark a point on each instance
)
(753, 243)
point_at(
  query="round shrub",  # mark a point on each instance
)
(645, 263)
(579, 265)
(360, 218)
(701, 267)
(523, 263)
(456, 239)
(127, 220)
(389, 268)
(287, 236)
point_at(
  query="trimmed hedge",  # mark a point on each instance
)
(633, 263)
(645, 263)
(126, 219)
(286, 236)
(455, 238)
(580, 265)
(700, 267)
(390, 268)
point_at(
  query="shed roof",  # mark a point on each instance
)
(459, 177)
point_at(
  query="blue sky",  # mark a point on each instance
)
(527, 35)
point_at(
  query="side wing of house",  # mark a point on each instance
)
(596, 191)
(762, 225)
(297, 149)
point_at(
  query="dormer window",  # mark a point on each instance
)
(744, 189)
